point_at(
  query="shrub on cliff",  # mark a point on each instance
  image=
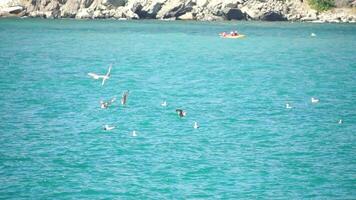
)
(321, 5)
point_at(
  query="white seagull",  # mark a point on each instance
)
(314, 100)
(288, 106)
(313, 35)
(340, 121)
(104, 77)
(106, 104)
(134, 134)
(108, 128)
(164, 103)
(196, 125)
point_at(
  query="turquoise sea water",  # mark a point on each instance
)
(248, 146)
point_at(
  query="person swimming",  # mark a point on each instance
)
(232, 33)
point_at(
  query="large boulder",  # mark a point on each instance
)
(202, 3)
(273, 16)
(70, 9)
(134, 6)
(215, 7)
(175, 8)
(84, 14)
(129, 14)
(207, 15)
(149, 11)
(98, 14)
(229, 4)
(13, 10)
(187, 16)
(43, 14)
(114, 3)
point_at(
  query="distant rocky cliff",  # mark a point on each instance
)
(268, 10)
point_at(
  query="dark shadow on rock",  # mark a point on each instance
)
(235, 14)
(273, 16)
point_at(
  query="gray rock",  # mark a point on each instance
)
(130, 15)
(97, 14)
(175, 8)
(114, 3)
(84, 14)
(150, 11)
(13, 10)
(70, 8)
(187, 16)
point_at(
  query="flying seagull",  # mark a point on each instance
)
(104, 77)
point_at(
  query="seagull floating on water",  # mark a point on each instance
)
(106, 104)
(196, 125)
(340, 121)
(124, 97)
(164, 103)
(181, 113)
(288, 106)
(314, 100)
(108, 128)
(134, 134)
(313, 35)
(104, 77)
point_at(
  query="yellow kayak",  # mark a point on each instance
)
(233, 37)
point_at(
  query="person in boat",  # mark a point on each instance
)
(223, 34)
(236, 33)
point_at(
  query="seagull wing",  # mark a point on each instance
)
(103, 82)
(124, 98)
(109, 70)
(94, 76)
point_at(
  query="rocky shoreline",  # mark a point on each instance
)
(204, 10)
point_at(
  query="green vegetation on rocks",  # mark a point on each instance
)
(321, 5)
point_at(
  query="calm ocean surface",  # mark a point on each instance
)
(249, 146)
